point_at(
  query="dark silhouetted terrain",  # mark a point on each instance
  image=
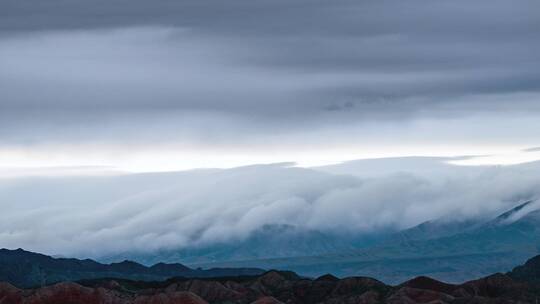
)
(27, 269)
(518, 286)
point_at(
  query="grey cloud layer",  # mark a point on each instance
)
(69, 67)
(106, 215)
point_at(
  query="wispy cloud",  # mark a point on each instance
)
(535, 149)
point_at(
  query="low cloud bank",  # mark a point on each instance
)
(95, 216)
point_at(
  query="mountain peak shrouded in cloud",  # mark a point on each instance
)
(110, 215)
(510, 215)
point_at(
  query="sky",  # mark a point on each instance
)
(329, 115)
(140, 86)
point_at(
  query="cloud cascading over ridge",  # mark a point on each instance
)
(94, 87)
(96, 216)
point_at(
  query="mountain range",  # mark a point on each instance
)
(384, 218)
(453, 251)
(521, 285)
(28, 269)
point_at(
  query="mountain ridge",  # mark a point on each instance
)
(519, 286)
(28, 269)
(473, 249)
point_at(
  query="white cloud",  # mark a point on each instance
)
(92, 216)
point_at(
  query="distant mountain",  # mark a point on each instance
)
(510, 213)
(452, 251)
(446, 249)
(271, 241)
(27, 269)
(278, 287)
(432, 230)
(449, 227)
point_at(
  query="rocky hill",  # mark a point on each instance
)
(274, 287)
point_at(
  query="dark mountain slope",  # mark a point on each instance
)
(27, 269)
(275, 287)
(529, 272)
(447, 227)
(447, 251)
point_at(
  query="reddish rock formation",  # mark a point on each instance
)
(182, 297)
(267, 300)
(276, 287)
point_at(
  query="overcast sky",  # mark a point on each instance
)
(163, 85)
(98, 88)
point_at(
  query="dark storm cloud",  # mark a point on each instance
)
(262, 64)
